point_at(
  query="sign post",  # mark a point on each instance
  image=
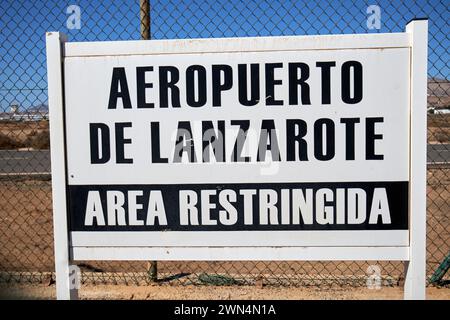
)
(275, 148)
(55, 43)
(415, 267)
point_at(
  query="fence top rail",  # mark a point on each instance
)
(284, 43)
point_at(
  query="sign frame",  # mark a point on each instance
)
(414, 255)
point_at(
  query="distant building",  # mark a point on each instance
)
(36, 113)
(14, 108)
(442, 111)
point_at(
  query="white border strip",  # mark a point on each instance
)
(243, 253)
(253, 44)
(355, 238)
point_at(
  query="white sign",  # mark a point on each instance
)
(222, 149)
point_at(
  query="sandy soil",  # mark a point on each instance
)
(156, 292)
(439, 128)
(19, 131)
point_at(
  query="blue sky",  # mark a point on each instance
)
(24, 23)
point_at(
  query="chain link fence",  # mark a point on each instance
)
(26, 236)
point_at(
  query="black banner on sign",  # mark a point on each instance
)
(233, 207)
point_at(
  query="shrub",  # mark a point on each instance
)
(7, 142)
(38, 140)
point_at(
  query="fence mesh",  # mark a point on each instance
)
(26, 236)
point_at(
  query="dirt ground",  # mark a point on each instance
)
(117, 292)
(439, 128)
(29, 134)
(20, 129)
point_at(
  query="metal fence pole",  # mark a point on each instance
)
(144, 6)
(145, 35)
